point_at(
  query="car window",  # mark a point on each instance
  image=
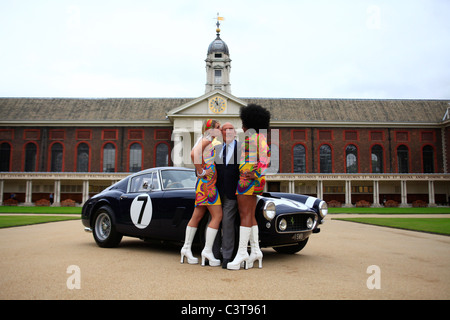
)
(178, 179)
(121, 185)
(141, 183)
(155, 181)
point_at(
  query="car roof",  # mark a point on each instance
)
(162, 168)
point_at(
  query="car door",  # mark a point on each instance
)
(139, 213)
(178, 202)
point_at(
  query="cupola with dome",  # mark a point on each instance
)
(218, 64)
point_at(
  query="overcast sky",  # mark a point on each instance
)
(279, 49)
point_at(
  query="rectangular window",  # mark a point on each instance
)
(6, 134)
(325, 135)
(31, 134)
(109, 134)
(427, 136)
(350, 135)
(82, 134)
(57, 134)
(401, 136)
(135, 134)
(376, 136)
(162, 134)
(218, 76)
(299, 134)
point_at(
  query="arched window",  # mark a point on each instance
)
(377, 159)
(326, 161)
(56, 158)
(109, 158)
(162, 155)
(135, 157)
(351, 159)
(5, 156)
(299, 159)
(30, 157)
(402, 159)
(428, 159)
(83, 157)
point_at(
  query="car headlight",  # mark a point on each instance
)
(309, 223)
(282, 225)
(269, 210)
(323, 209)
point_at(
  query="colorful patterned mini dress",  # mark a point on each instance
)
(255, 157)
(206, 193)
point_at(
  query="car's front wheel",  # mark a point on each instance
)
(292, 248)
(105, 233)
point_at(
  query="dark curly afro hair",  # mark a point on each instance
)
(254, 116)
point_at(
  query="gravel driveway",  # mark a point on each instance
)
(60, 261)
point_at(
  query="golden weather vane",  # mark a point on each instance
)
(219, 18)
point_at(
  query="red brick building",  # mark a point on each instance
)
(339, 149)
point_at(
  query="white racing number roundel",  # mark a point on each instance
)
(141, 211)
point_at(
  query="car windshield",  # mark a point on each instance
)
(176, 179)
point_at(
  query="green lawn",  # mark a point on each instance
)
(18, 220)
(38, 210)
(435, 210)
(433, 225)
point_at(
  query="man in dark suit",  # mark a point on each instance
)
(227, 164)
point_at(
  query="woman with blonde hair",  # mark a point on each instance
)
(206, 195)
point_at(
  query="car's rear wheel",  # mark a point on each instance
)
(105, 233)
(293, 248)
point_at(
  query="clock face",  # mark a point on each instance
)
(217, 104)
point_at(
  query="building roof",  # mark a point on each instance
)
(355, 110)
(35, 110)
(58, 109)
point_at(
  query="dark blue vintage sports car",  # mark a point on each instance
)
(158, 203)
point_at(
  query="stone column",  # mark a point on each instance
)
(2, 186)
(291, 186)
(431, 200)
(348, 193)
(57, 194)
(376, 194)
(29, 193)
(319, 189)
(85, 196)
(404, 194)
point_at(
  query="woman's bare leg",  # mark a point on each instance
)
(216, 216)
(247, 207)
(197, 215)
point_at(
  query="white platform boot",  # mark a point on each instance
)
(255, 253)
(242, 254)
(186, 250)
(207, 253)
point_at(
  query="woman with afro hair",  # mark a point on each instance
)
(255, 156)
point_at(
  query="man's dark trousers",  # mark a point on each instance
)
(227, 179)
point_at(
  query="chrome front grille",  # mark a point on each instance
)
(296, 222)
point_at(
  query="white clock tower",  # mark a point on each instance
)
(218, 65)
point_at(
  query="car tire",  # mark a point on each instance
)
(293, 248)
(104, 231)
